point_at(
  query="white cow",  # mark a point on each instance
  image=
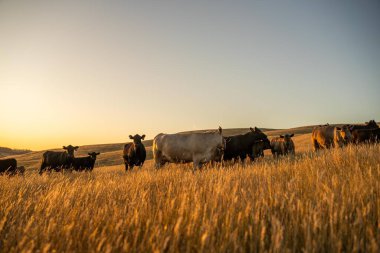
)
(198, 148)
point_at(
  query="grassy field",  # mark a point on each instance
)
(316, 202)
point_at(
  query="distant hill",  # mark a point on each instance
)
(8, 151)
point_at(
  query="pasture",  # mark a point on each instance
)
(316, 202)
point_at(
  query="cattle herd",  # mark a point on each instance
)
(201, 148)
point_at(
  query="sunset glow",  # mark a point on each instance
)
(78, 72)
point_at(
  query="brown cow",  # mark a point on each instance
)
(134, 153)
(329, 136)
(282, 145)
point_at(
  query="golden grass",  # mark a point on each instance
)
(317, 202)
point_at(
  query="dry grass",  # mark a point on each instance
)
(324, 202)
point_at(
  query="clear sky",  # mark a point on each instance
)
(90, 72)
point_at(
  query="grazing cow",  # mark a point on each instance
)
(366, 135)
(198, 148)
(8, 166)
(282, 145)
(134, 153)
(239, 146)
(58, 160)
(368, 125)
(85, 163)
(329, 136)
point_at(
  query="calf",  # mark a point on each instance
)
(282, 145)
(85, 163)
(58, 160)
(8, 166)
(134, 153)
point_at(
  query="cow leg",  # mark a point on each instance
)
(42, 168)
(242, 159)
(252, 157)
(316, 145)
(126, 166)
(196, 165)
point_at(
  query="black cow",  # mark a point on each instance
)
(8, 166)
(58, 160)
(239, 146)
(366, 135)
(134, 153)
(368, 125)
(85, 163)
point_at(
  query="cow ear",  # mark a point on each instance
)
(76, 147)
(64, 147)
(281, 136)
(143, 137)
(291, 135)
(89, 153)
(220, 130)
(131, 137)
(251, 129)
(98, 153)
(338, 128)
(367, 123)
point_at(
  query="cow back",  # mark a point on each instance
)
(52, 158)
(8, 165)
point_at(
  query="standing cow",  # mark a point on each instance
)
(58, 160)
(198, 148)
(282, 145)
(366, 135)
(134, 153)
(329, 136)
(8, 166)
(239, 146)
(86, 163)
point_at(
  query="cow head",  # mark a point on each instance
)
(70, 150)
(93, 155)
(261, 136)
(345, 133)
(372, 124)
(256, 130)
(287, 138)
(137, 139)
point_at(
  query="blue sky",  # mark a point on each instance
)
(88, 72)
